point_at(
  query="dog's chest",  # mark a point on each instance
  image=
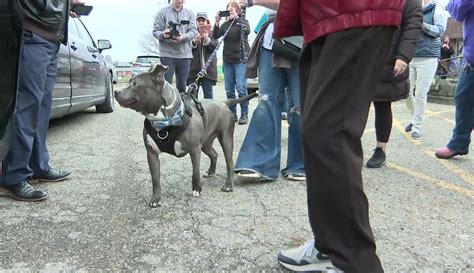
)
(173, 147)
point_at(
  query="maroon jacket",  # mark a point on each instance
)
(316, 18)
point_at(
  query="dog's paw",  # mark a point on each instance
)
(196, 194)
(154, 204)
(227, 189)
(207, 175)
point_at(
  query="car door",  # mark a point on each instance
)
(62, 91)
(86, 69)
(10, 44)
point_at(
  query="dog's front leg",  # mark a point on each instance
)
(196, 161)
(154, 165)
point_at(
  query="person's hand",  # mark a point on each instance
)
(197, 39)
(400, 67)
(179, 38)
(204, 35)
(166, 33)
(75, 2)
(445, 45)
(218, 18)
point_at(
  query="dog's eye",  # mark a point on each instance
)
(134, 83)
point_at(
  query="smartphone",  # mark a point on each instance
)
(224, 13)
(82, 10)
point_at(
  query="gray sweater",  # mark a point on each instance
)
(168, 47)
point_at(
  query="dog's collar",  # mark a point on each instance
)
(175, 119)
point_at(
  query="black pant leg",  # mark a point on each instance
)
(339, 75)
(383, 120)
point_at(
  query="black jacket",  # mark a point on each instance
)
(233, 41)
(47, 18)
(392, 88)
(201, 54)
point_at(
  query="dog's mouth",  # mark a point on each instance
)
(126, 102)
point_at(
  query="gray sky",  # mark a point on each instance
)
(123, 22)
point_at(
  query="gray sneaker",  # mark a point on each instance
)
(415, 135)
(306, 258)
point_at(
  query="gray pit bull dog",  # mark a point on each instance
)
(162, 105)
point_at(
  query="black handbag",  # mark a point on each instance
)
(289, 48)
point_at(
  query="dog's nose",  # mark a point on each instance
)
(118, 92)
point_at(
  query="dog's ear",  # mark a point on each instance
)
(158, 73)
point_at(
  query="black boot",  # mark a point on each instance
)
(25, 192)
(378, 159)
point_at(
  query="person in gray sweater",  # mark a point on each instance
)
(175, 28)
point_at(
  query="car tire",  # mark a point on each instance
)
(108, 105)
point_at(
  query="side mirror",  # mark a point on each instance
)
(103, 44)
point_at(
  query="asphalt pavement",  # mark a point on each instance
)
(421, 208)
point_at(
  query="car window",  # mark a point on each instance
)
(147, 59)
(72, 29)
(84, 34)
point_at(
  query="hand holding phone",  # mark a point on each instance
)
(81, 10)
(224, 13)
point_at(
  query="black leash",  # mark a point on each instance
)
(192, 89)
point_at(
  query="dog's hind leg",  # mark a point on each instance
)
(196, 161)
(209, 151)
(226, 139)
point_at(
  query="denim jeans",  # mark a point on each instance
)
(28, 153)
(261, 148)
(207, 87)
(235, 80)
(178, 66)
(464, 112)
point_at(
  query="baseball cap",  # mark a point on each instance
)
(201, 14)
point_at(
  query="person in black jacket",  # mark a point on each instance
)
(236, 48)
(44, 29)
(394, 84)
(203, 46)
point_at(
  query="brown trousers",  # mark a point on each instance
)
(339, 73)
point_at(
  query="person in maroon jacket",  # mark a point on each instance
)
(347, 44)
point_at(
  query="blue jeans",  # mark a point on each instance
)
(178, 66)
(28, 153)
(234, 79)
(464, 112)
(206, 85)
(261, 149)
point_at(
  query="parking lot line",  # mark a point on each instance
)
(438, 182)
(465, 176)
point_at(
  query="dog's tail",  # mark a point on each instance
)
(231, 102)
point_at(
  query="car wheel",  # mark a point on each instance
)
(108, 105)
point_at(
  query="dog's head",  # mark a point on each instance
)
(146, 92)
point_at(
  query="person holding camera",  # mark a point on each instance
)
(45, 26)
(175, 28)
(236, 48)
(203, 46)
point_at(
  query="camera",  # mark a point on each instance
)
(173, 27)
(224, 13)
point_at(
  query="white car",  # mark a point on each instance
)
(143, 63)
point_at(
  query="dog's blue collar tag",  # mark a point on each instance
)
(175, 120)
